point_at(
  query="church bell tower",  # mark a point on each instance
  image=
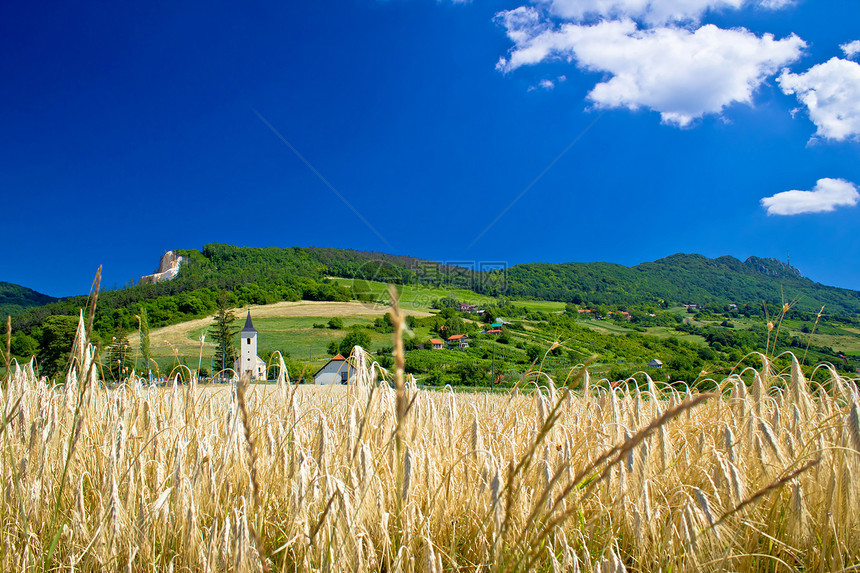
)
(248, 350)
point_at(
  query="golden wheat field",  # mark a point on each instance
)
(759, 476)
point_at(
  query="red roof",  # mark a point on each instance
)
(338, 357)
(495, 331)
(435, 341)
(456, 337)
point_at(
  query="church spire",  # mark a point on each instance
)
(249, 326)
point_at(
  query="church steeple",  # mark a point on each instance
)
(249, 326)
(248, 362)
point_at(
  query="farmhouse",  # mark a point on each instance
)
(249, 364)
(338, 370)
(460, 341)
(623, 313)
(436, 344)
(655, 363)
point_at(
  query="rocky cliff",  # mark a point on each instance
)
(168, 268)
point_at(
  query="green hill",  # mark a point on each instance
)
(250, 276)
(679, 278)
(15, 299)
(267, 275)
(713, 337)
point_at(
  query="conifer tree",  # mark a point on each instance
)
(222, 331)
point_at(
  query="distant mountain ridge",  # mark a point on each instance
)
(15, 299)
(680, 278)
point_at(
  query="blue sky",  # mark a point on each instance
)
(531, 130)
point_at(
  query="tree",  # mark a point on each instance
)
(448, 312)
(434, 376)
(58, 337)
(454, 325)
(24, 345)
(471, 373)
(222, 332)
(355, 337)
(335, 323)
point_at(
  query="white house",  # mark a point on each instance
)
(248, 363)
(338, 370)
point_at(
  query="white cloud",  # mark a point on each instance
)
(680, 73)
(775, 4)
(651, 11)
(851, 49)
(546, 84)
(831, 93)
(826, 196)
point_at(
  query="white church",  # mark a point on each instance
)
(248, 363)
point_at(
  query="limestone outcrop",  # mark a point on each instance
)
(168, 268)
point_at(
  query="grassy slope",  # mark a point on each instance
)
(289, 328)
(286, 327)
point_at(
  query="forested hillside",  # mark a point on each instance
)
(247, 275)
(636, 303)
(679, 278)
(265, 275)
(15, 299)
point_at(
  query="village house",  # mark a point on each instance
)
(338, 370)
(466, 307)
(248, 363)
(623, 313)
(655, 363)
(460, 341)
(436, 344)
